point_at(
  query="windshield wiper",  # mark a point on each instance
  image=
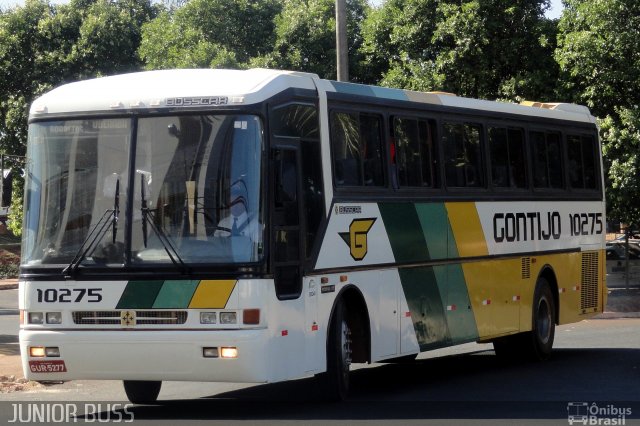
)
(148, 219)
(96, 233)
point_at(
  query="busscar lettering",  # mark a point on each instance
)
(197, 101)
(543, 226)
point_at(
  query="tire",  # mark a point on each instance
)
(543, 329)
(335, 382)
(536, 344)
(141, 391)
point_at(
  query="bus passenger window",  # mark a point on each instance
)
(356, 141)
(370, 131)
(582, 162)
(547, 160)
(345, 138)
(508, 164)
(414, 152)
(463, 159)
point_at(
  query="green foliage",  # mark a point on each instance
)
(483, 49)
(305, 37)
(44, 45)
(210, 33)
(599, 57)
(15, 214)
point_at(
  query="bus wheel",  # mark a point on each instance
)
(141, 391)
(336, 379)
(540, 338)
(537, 343)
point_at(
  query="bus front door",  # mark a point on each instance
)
(287, 245)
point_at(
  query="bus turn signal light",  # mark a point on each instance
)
(251, 316)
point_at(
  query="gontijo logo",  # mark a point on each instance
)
(356, 238)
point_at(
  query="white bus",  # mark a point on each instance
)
(259, 226)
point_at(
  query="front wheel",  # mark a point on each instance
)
(336, 379)
(142, 391)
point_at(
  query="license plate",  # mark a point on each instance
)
(47, 367)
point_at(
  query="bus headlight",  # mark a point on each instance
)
(36, 318)
(228, 318)
(229, 352)
(208, 318)
(54, 317)
(36, 351)
(52, 351)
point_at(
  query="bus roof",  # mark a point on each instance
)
(186, 88)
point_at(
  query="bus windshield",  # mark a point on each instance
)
(190, 195)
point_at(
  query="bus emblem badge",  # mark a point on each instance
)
(128, 318)
(356, 238)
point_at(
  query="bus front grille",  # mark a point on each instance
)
(118, 317)
(589, 281)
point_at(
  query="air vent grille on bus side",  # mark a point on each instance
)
(141, 317)
(589, 281)
(526, 268)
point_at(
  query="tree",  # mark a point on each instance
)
(306, 40)
(599, 57)
(42, 46)
(210, 33)
(483, 49)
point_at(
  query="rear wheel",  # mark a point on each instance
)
(537, 343)
(336, 380)
(540, 338)
(142, 391)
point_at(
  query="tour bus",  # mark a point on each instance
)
(259, 226)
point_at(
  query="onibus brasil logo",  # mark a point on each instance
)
(356, 238)
(594, 414)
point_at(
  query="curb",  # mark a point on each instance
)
(9, 284)
(617, 315)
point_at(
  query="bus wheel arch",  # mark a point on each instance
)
(348, 340)
(539, 341)
(359, 323)
(549, 275)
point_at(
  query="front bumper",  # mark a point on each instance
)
(149, 355)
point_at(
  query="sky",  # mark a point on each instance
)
(554, 12)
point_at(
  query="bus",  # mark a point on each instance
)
(259, 226)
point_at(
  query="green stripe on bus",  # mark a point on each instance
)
(435, 226)
(139, 295)
(460, 318)
(175, 294)
(404, 231)
(426, 305)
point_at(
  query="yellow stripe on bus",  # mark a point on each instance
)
(212, 294)
(467, 230)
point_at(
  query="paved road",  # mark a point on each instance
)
(9, 326)
(594, 361)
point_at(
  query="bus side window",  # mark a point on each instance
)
(356, 142)
(508, 165)
(463, 158)
(582, 162)
(414, 152)
(547, 160)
